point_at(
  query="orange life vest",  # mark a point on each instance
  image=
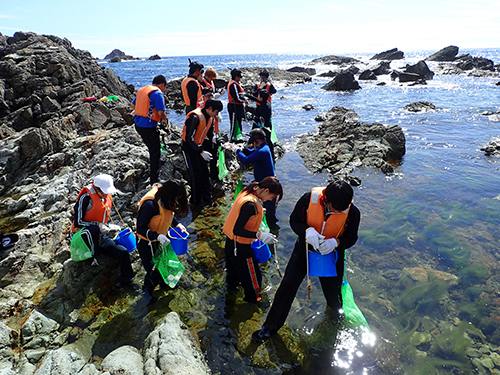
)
(184, 90)
(207, 83)
(268, 88)
(334, 225)
(238, 87)
(201, 130)
(158, 223)
(142, 103)
(253, 222)
(99, 212)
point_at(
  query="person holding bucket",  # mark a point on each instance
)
(242, 228)
(325, 220)
(91, 215)
(155, 217)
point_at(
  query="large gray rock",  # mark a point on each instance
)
(344, 144)
(344, 81)
(446, 54)
(172, 349)
(421, 69)
(392, 54)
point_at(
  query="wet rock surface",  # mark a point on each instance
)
(343, 144)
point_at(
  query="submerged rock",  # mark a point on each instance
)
(420, 107)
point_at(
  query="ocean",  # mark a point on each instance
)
(425, 270)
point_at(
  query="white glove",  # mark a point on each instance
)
(182, 228)
(222, 91)
(207, 156)
(114, 227)
(313, 237)
(328, 246)
(268, 238)
(217, 95)
(163, 239)
(215, 138)
(103, 228)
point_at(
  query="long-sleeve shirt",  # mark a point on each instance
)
(149, 209)
(298, 223)
(236, 94)
(247, 210)
(263, 165)
(191, 125)
(82, 205)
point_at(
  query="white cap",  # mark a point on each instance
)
(105, 183)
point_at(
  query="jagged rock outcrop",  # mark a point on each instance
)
(300, 69)
(344, 81)
(154, 57)
(344, 144)
(421, 69)
(118, 55)
(392, 54)
(446, 54)
(334, 60)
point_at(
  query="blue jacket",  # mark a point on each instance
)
(262, 160)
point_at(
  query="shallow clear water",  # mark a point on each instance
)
(438, 211)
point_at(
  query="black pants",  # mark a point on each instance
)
(209, 146)
(151, 137)
(201, 189)
(236, 113)
(146, 250)
(295, 272)
(243, 269)
(104, 245)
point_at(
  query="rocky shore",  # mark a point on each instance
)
(53, 311)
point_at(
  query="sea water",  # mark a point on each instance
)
(438, 211)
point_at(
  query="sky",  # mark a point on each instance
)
(191, 28)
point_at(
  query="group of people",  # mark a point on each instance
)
(324, 219)
(200, 135)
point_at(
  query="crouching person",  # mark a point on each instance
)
(91, 214)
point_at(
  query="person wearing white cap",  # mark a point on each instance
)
(91, 212)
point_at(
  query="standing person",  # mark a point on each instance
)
(191, 87)
(196, 128)
(265, 83)
(149, 106)
(260, 156)
(207, 81)
(236, 103)
(262, 117)
(328, 221)
(242, 228)
(155, 217)
(91, 212)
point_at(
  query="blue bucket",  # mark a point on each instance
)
(322, 265)
(126, 238)
(261, 251)
(178, 240)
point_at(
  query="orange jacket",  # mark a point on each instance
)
(158, 223)
(253, 224)
(201, 130)
(99, 212)
(142, 103)
(334, 225)
(184, 90)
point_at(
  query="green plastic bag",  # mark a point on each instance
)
(239, 188)
(166, 261)
(353, 315)
(79, 249)
(222, 164)
(274, 138)
(237, 136)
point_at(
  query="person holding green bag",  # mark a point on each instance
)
(325, 220)
(236, 105)
(90, 225)
(156, 216)
(242, 228)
